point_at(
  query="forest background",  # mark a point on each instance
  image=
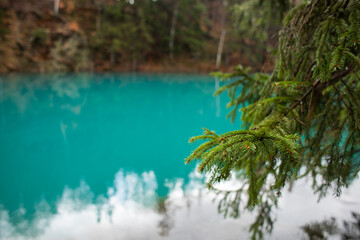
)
(128, 35)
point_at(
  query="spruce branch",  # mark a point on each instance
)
(304, 116)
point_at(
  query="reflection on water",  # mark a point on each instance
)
(59, 129)
(63, 139)
(330, 228)
(131, 209)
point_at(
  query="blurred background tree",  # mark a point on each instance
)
(143, 35)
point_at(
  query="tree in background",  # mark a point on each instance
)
(145, 27)
(124, 30)
(3, 30)
(170, 34)
(172, 31)
(259, 29)
(301, 120)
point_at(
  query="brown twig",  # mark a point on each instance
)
(334, 78)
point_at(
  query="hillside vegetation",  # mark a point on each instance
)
(134, 35)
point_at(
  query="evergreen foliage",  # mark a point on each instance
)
(38, 37)
(137, 28)
(125, 29)
(300, 120)
(267, 16)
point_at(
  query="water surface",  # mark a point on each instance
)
(101, 156)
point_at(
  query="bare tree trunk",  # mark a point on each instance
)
(112, 57)
(56, 6)
(220, 49)
(99, 13)
(172, 32)
(134, 62)
(222, 38)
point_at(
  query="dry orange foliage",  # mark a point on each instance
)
(74, 26)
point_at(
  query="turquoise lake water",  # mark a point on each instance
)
(88, 156)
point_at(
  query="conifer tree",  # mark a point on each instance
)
(302, 120)
(125, 29)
